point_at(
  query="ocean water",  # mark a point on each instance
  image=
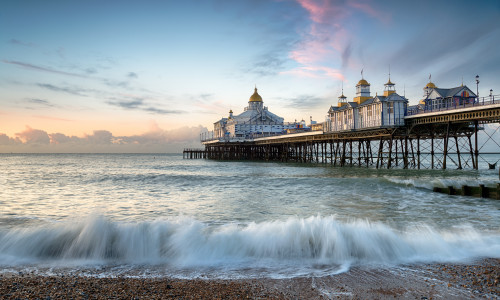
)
(162, 215)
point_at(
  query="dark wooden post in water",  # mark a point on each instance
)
(472, 153)
(445, 150)
(476, 153)
(418, 151)
(389, 160)
(458, 153)
(432, 151)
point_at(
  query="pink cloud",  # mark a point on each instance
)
(322, 11)
(316, 72)
(369, 10)
(326, 41)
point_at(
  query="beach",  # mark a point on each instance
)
(478, 279)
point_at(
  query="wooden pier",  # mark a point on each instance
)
(194, 153)
(437, 140)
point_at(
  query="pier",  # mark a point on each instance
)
(433, 140)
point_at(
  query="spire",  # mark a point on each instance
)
(342, 98)
(389, 86)
(389, 83)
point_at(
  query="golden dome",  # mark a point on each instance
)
(255, 97)
(389, 82)
(431, 85)
(363, 82)
(230, 111)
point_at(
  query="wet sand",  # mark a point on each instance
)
(479, 279)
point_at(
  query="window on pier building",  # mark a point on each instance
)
(390, 107)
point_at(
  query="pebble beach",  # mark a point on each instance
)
(478, 279)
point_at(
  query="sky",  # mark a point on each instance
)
(149, 76)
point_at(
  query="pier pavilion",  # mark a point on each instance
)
(255, 120)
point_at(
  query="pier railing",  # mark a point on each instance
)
(483, 101)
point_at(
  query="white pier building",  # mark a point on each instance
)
(255, 121)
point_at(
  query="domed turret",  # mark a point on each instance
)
(431, 85)
(362, 82)
(362, 90)
(255, 97)
(428, 88)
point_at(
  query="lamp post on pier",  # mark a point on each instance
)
(477, 87)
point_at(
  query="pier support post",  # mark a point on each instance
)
(476, 152)
(458, 153)
(432, 152)
(445, 150)
(389, 160)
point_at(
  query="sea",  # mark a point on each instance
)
(159, 215)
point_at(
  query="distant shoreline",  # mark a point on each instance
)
(428, 281)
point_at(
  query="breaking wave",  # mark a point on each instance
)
(300, 244)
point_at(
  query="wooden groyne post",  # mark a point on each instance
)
(480, 191)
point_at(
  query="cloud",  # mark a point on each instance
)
(449, 40)
(69, 90)
(162, 111)
(139, 103)
(128, 104)
(132, 75)
(40, 68)
(90, 70)
(155, 140)
(305, 101)
(5, 140)
(99, 137)
(115, 83)
(267, 65)
(40, 102)
(21, 43)
(157, 135)
(327, 45)
(33, 136)
(59, 138)
(316, 72)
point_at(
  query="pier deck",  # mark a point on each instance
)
(433, 140)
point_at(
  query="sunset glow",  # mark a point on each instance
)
(134, 76)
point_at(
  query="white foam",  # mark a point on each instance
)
(296, 246)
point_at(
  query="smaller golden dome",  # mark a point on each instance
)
(363, 82)
(255, 97)
(431, 85)
(389, 82)
(230, 111)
